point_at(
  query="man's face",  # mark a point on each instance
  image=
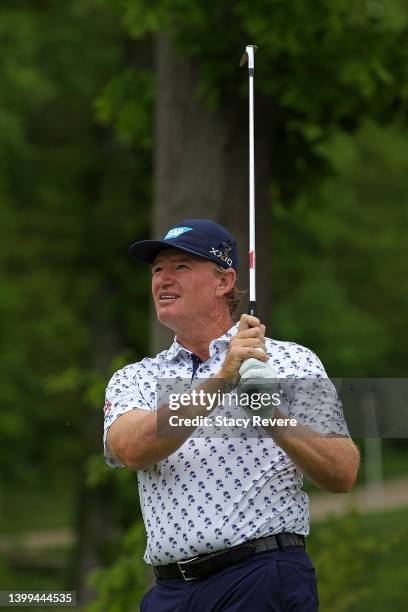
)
(183, 287)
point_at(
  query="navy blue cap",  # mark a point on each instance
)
(197, 236)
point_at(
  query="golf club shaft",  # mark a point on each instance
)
(248, 56)
(252, 260)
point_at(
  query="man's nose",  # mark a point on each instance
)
(166, 278)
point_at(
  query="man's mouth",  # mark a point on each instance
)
(167, 297)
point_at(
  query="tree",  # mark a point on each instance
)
(320, 70)
(76, 191)
(67, 300)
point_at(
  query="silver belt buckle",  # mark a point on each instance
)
(180, 563)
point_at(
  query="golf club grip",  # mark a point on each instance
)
(252, 309)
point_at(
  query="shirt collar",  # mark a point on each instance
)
(176, 348)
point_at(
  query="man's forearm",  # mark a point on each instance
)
(146, 441)
(329, 462)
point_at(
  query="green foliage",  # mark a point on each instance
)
(323, 68)
(5, 576)
(90, 386)
(121, 586)
(347, 248)
(63, 245)
(340, 564)
(349, 51)
(27, 85)
(75, 192)
(51, 506)
(357, 560)
(342, 556)
(126, 103)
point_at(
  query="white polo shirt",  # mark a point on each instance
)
(217, 492)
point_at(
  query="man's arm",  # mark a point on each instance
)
(331, 463)
(135, 439)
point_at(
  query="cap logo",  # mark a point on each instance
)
(176, 232)
(221, 255)
(227, 247)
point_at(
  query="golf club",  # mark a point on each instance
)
(248, 57)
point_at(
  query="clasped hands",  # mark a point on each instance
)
(247, 366)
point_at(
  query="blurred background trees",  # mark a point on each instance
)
(120, 117)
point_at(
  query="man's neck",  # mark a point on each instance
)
(198, 338)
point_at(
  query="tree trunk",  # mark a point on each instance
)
(95, 528)
(201, 166)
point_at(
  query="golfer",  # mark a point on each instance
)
(225, 516)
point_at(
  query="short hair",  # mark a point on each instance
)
(233, 296)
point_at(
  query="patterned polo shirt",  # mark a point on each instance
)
(217, 492)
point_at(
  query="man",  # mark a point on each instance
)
(225, 517)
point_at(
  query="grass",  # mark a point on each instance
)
(35, 508)
(384, 573)
(31, 509)
(388, 581)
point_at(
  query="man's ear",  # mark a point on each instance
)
(225, 282)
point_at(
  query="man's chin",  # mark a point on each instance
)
(166, 317)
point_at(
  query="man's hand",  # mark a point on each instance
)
(248, 342)
(258, 377)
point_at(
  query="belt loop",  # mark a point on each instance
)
(291, 540)
(279, 541)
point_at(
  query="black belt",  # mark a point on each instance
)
(204, 565)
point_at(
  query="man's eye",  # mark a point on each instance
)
(182, 266)
(155, 270)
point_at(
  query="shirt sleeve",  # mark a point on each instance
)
(122, 394)
(315, 402)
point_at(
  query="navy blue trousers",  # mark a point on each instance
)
(272, 581)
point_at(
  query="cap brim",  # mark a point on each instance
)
(147, 250)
